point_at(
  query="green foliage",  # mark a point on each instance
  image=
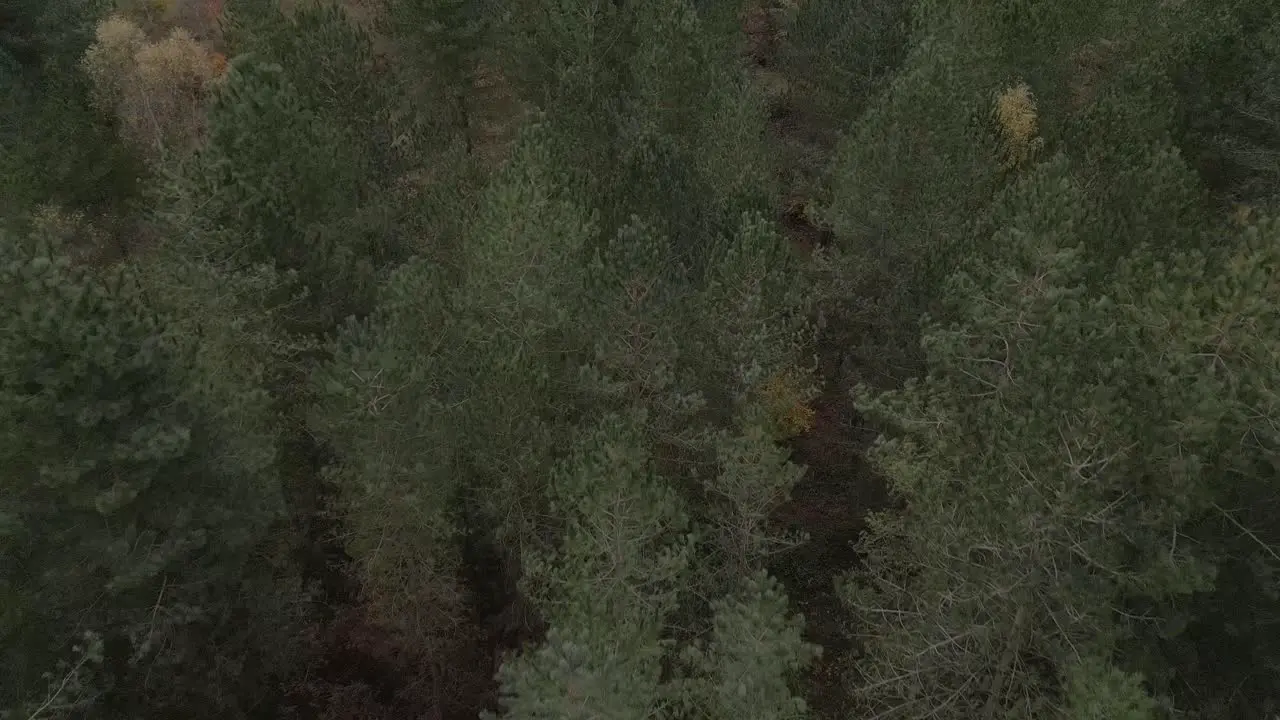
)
(755, 477)
(1076, 429)
(384, 411)
(443, 41)
(54, 147)
(454, 405)
(49, 33)
(1097, 690)
(653, 112)
(283, 165)
(625, 547)
(755, 650)
(555, 48)
(703, 359)
(448, 33)
(608, 587)
(397, 131)
(278, 182)
(1067, 459)
(518, 333)
(597, 670)
(1231, 107)
(695, 352)
(907, 183)
(442, 402)
(328, 59)
(913, 179)
(587, 362)
(844, 53)
(306, 165)
(752, 318)
(138, 488)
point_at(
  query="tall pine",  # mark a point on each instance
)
(140, 494)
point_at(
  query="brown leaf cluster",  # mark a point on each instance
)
(157, 89)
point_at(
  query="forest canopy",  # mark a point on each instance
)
(686, 359)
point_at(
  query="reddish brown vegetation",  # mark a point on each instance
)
(359, 672)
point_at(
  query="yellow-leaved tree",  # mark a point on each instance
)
(157, 89)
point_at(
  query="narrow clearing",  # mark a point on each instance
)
(839, 488)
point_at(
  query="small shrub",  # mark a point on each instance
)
(786, 397)
(1017, 115)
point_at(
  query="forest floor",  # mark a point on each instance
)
(839, 488)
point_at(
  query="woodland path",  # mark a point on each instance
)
(839, 488)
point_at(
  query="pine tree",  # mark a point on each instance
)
(540, 330)
(1075, 432)
(624, 550)
(607, 591)
(1054, 556)
(307, 164)
(755, 651)
(718, 365)
(140, 488)
(907, 181)
(655, 114)
(277, 182)
(365, 82)
(384, 410)
(1230, 93)
(445, 432)
(753, 320)
(842, 54)
(443, 43)
(1097, 689)
(329, 59)
(913, 178)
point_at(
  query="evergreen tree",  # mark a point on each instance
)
(140, 488)
(654, 113)
(279, 182)
(384, 409)
(307, 165)
(912, 181)
(754, 652)
(907, 181)
(329, 60)
(606, 589)
(436, 430)
(443, 43)
(1231, 110)
(389, 89)
(541, 331)
(842, 54)
(1066, 463)
(719, 368)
